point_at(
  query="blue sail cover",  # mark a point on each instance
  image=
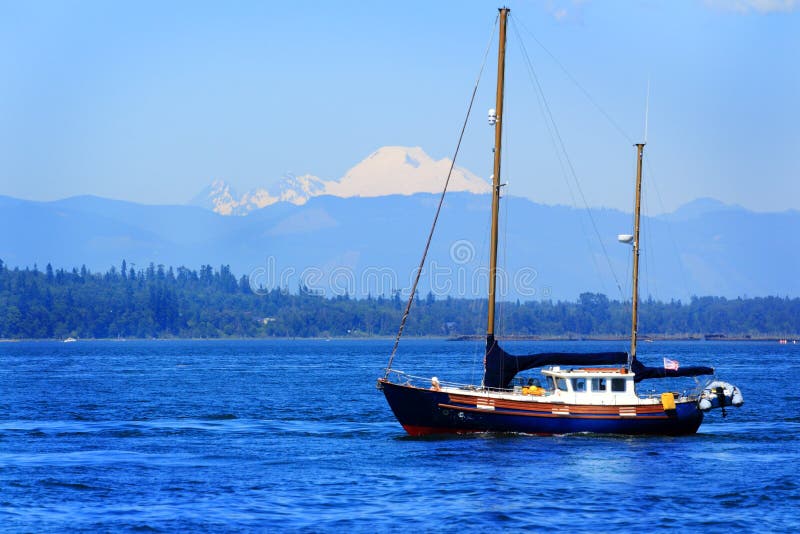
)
(644, 372)
(501, 367)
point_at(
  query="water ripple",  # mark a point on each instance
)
(241, 436)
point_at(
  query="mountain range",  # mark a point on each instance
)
(364, 234)
(371, 245)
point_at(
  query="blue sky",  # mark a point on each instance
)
(151, 101)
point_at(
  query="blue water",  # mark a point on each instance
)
(293, 435)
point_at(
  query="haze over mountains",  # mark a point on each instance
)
(361, 235)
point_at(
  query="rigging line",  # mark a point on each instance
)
(674, 243)
(441, 202)
(648, 274)
(466, 283)
(628, 274)
(651, 258)
(479, 307)
(504, 266)
(565, 176)
(579, 86)
(569, 163)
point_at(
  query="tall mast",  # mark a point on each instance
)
(498, 138)
(636, 213)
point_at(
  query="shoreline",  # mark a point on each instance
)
(791, 340)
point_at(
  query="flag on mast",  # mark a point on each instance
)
(671, 365)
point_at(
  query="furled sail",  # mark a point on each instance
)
(644, 372)
(501, 367)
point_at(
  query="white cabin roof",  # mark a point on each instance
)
(588, 372)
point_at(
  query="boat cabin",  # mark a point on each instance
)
(590, 385)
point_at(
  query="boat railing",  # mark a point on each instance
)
(405, 379)
(700, 386)
(685, 393)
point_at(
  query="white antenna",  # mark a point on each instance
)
(646, 109)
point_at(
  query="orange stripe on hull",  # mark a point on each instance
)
(564, 412)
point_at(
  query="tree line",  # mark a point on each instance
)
(162, 302)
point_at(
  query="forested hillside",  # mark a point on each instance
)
(164, 302)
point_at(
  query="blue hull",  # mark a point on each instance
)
(423, 411)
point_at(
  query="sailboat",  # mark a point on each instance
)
(579, 392)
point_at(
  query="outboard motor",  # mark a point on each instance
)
(720, 392)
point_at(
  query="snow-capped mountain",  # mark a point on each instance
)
(391, 170)
(221, 198)
(396, 170)
(217, 196)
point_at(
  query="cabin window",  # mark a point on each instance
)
(561, 383)
(550, 383)
(599, 384)
(578, 384)
(617, 384)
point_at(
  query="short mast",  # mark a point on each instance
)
(498, 139)
(636, 213)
